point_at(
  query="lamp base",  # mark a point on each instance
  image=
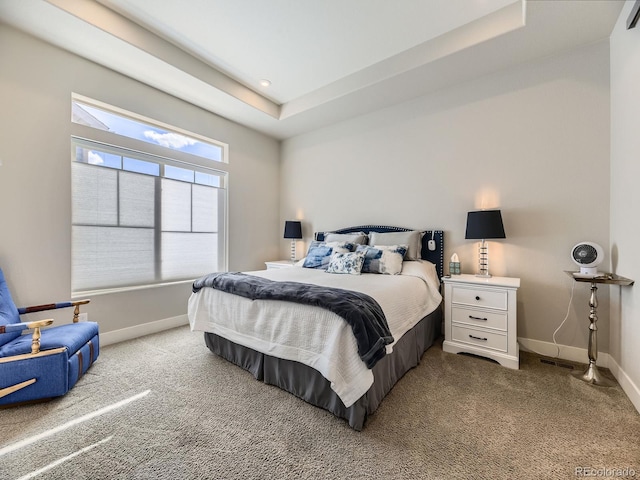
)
(293, 251)
(483, 260)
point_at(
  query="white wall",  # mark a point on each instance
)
(36, 81)
(625, 203)
(533, 140)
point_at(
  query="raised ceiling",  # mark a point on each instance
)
(326, 60)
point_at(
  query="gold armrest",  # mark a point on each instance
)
(53, 306)
(76, 311)
(39, 323)
(35, 338)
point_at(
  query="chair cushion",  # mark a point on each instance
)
(8, 311)
(73, 336)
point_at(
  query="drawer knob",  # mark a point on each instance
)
(477, 297)
(477, 318)
(478, 338)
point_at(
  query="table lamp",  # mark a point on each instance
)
(293, 230)
(482, 225)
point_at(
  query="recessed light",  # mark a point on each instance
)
(265, 83)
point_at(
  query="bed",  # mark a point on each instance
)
(312, 352)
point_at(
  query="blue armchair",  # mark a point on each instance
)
(50, 361)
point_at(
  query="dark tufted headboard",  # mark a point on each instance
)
(436, 257)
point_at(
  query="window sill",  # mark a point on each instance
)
(108, 291)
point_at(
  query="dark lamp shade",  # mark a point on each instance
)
(484, 224)
(292, 229)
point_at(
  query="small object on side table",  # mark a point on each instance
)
(592, 375)
(454, 265)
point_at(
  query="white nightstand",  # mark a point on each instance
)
(480, 317)
(279, 264)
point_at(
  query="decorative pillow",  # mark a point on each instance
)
(411, 239)
(342, 246)
(319, 254)
(382, 259)
(349, 263)
(318, 257)
(359, 238)
(313, 244)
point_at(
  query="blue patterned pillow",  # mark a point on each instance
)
(383, 259)
(342, 246)
(318, 257)
(313, 244)
(319, 253)
(349, 263)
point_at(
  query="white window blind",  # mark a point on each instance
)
(132, 226)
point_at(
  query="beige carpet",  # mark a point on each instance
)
(198, 417)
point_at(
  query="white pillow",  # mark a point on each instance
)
(391, 260)
(411, 239)
(359, 238)
(385, 259)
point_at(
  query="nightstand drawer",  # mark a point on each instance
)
(479, 318)
(481, 338)
(480, 297)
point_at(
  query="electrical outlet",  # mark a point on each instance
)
(83, 317)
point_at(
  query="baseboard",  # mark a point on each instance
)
(129, 333)
(628, 386)
(573, 354)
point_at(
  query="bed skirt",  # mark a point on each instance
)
(309, 385)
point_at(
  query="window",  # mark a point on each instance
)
(100, 116)
(141, 219)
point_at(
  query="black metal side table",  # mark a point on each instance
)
(592, 375)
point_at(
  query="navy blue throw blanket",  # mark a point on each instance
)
(360, 311)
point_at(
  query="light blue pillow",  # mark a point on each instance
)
(318, 257)
(348, 263)
(313, 244)
(319, 253)
(383, 259)
(342, 246)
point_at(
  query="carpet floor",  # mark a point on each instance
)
(164, 407)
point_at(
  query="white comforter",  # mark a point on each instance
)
(312, 335)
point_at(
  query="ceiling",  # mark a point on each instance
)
(327, 60)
